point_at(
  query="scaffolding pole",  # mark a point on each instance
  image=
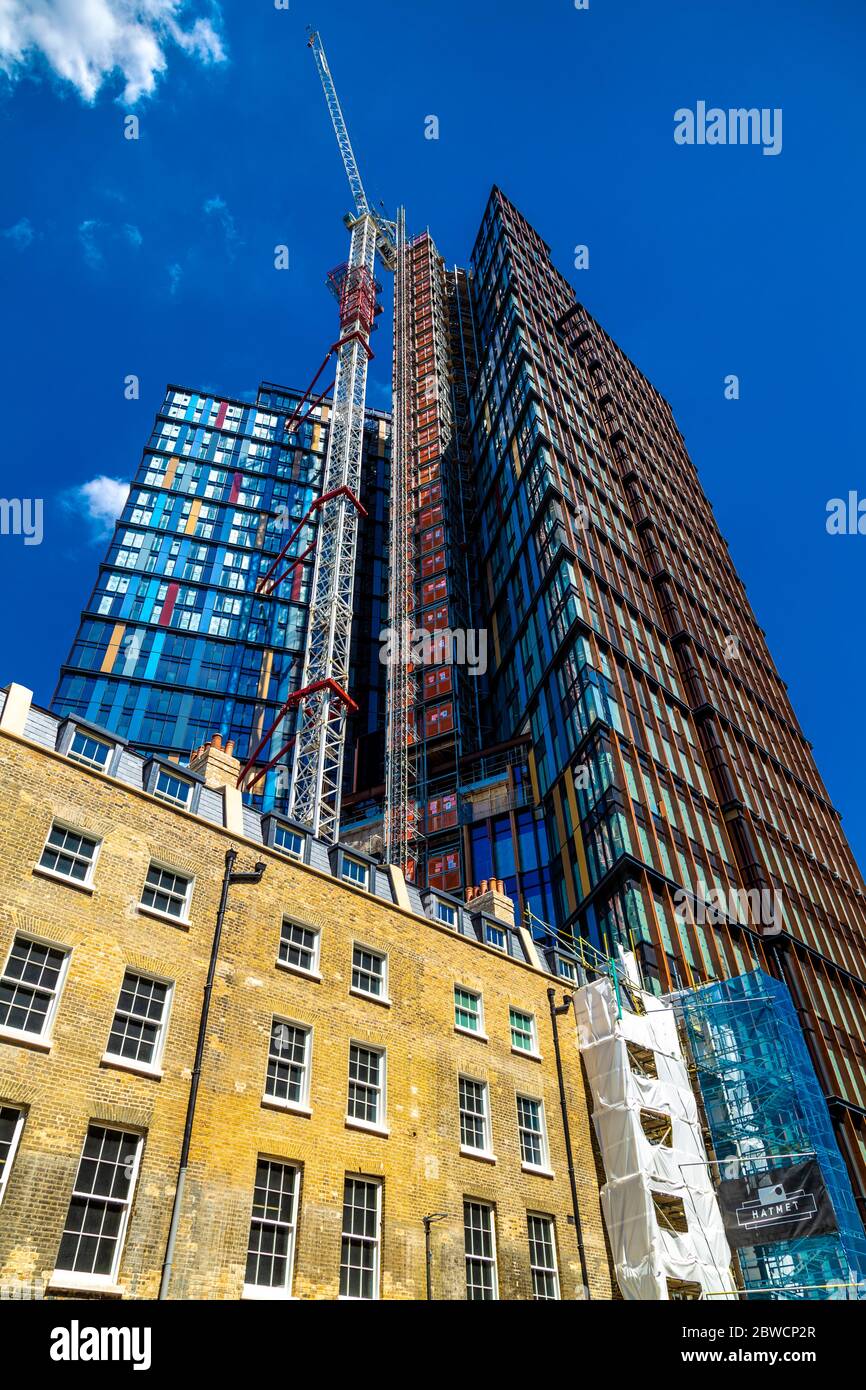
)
(401, 810)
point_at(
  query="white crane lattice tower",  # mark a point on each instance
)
(324, 701)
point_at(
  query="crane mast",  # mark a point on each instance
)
(323, 701)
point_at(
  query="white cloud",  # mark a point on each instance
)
(21, 233)
(100, 501)
(93, 235)
(89, 245)
(175, 275)
(86, 42)
(217, 208)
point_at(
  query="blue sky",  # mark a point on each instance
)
(155, 257)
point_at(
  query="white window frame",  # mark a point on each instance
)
(374, 1241)
(480, 1031)
(469, 1150)
(445, 913)
(533, 1049)
(359, 864)
(300, 1106)
(310, 972)
(71, 1278)
(544, 1269)
(55, 874)
(284, 849)
(275, 1292)
(377, 954)
(154, 1066)
(183, 919)
(79, 732)
(379, 1125)
(491, 937)
(43, 1037)
(492, 1261)
(6, 1170)
(540, 1134)
(162, 771)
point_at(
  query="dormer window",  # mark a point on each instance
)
(91, 751)
(354, 871)
(169, 787)
(284, 837)
(444, 912)
(494, 936)
(288, 841)
(88, 745)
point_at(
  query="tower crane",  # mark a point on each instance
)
(323, 702)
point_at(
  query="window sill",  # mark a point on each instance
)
(371, 998)
(480, 1154)
(530, 1056)
(15, 1035)
(537, 1171)
(64, 879)
(66, 1281)
(163, 916)
(290, 1106)
(299, 971)
(108, 1059)
(366, 1127)
(470, 1033)
(255, 1293)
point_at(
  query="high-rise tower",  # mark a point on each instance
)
(678, 792)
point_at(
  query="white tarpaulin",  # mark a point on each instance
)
(646, 1252)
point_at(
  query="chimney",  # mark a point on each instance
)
(492, 899)
(216, 763)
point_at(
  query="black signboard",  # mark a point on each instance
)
(780, 1204)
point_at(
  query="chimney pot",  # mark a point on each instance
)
(215, 763)
(491, 898)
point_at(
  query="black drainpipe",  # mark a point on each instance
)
(229, 878)
(555, 1011)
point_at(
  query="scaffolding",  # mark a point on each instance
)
(663, 1222)
(765, 1110)
(433, 702)
(402, 828)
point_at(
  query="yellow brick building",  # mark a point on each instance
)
(370, 1059)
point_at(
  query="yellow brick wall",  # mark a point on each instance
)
(419, 1162)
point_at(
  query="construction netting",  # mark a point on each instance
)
(663, 1221)
(767, 1115)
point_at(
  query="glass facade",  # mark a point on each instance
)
(175, 644)
(670, 786)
